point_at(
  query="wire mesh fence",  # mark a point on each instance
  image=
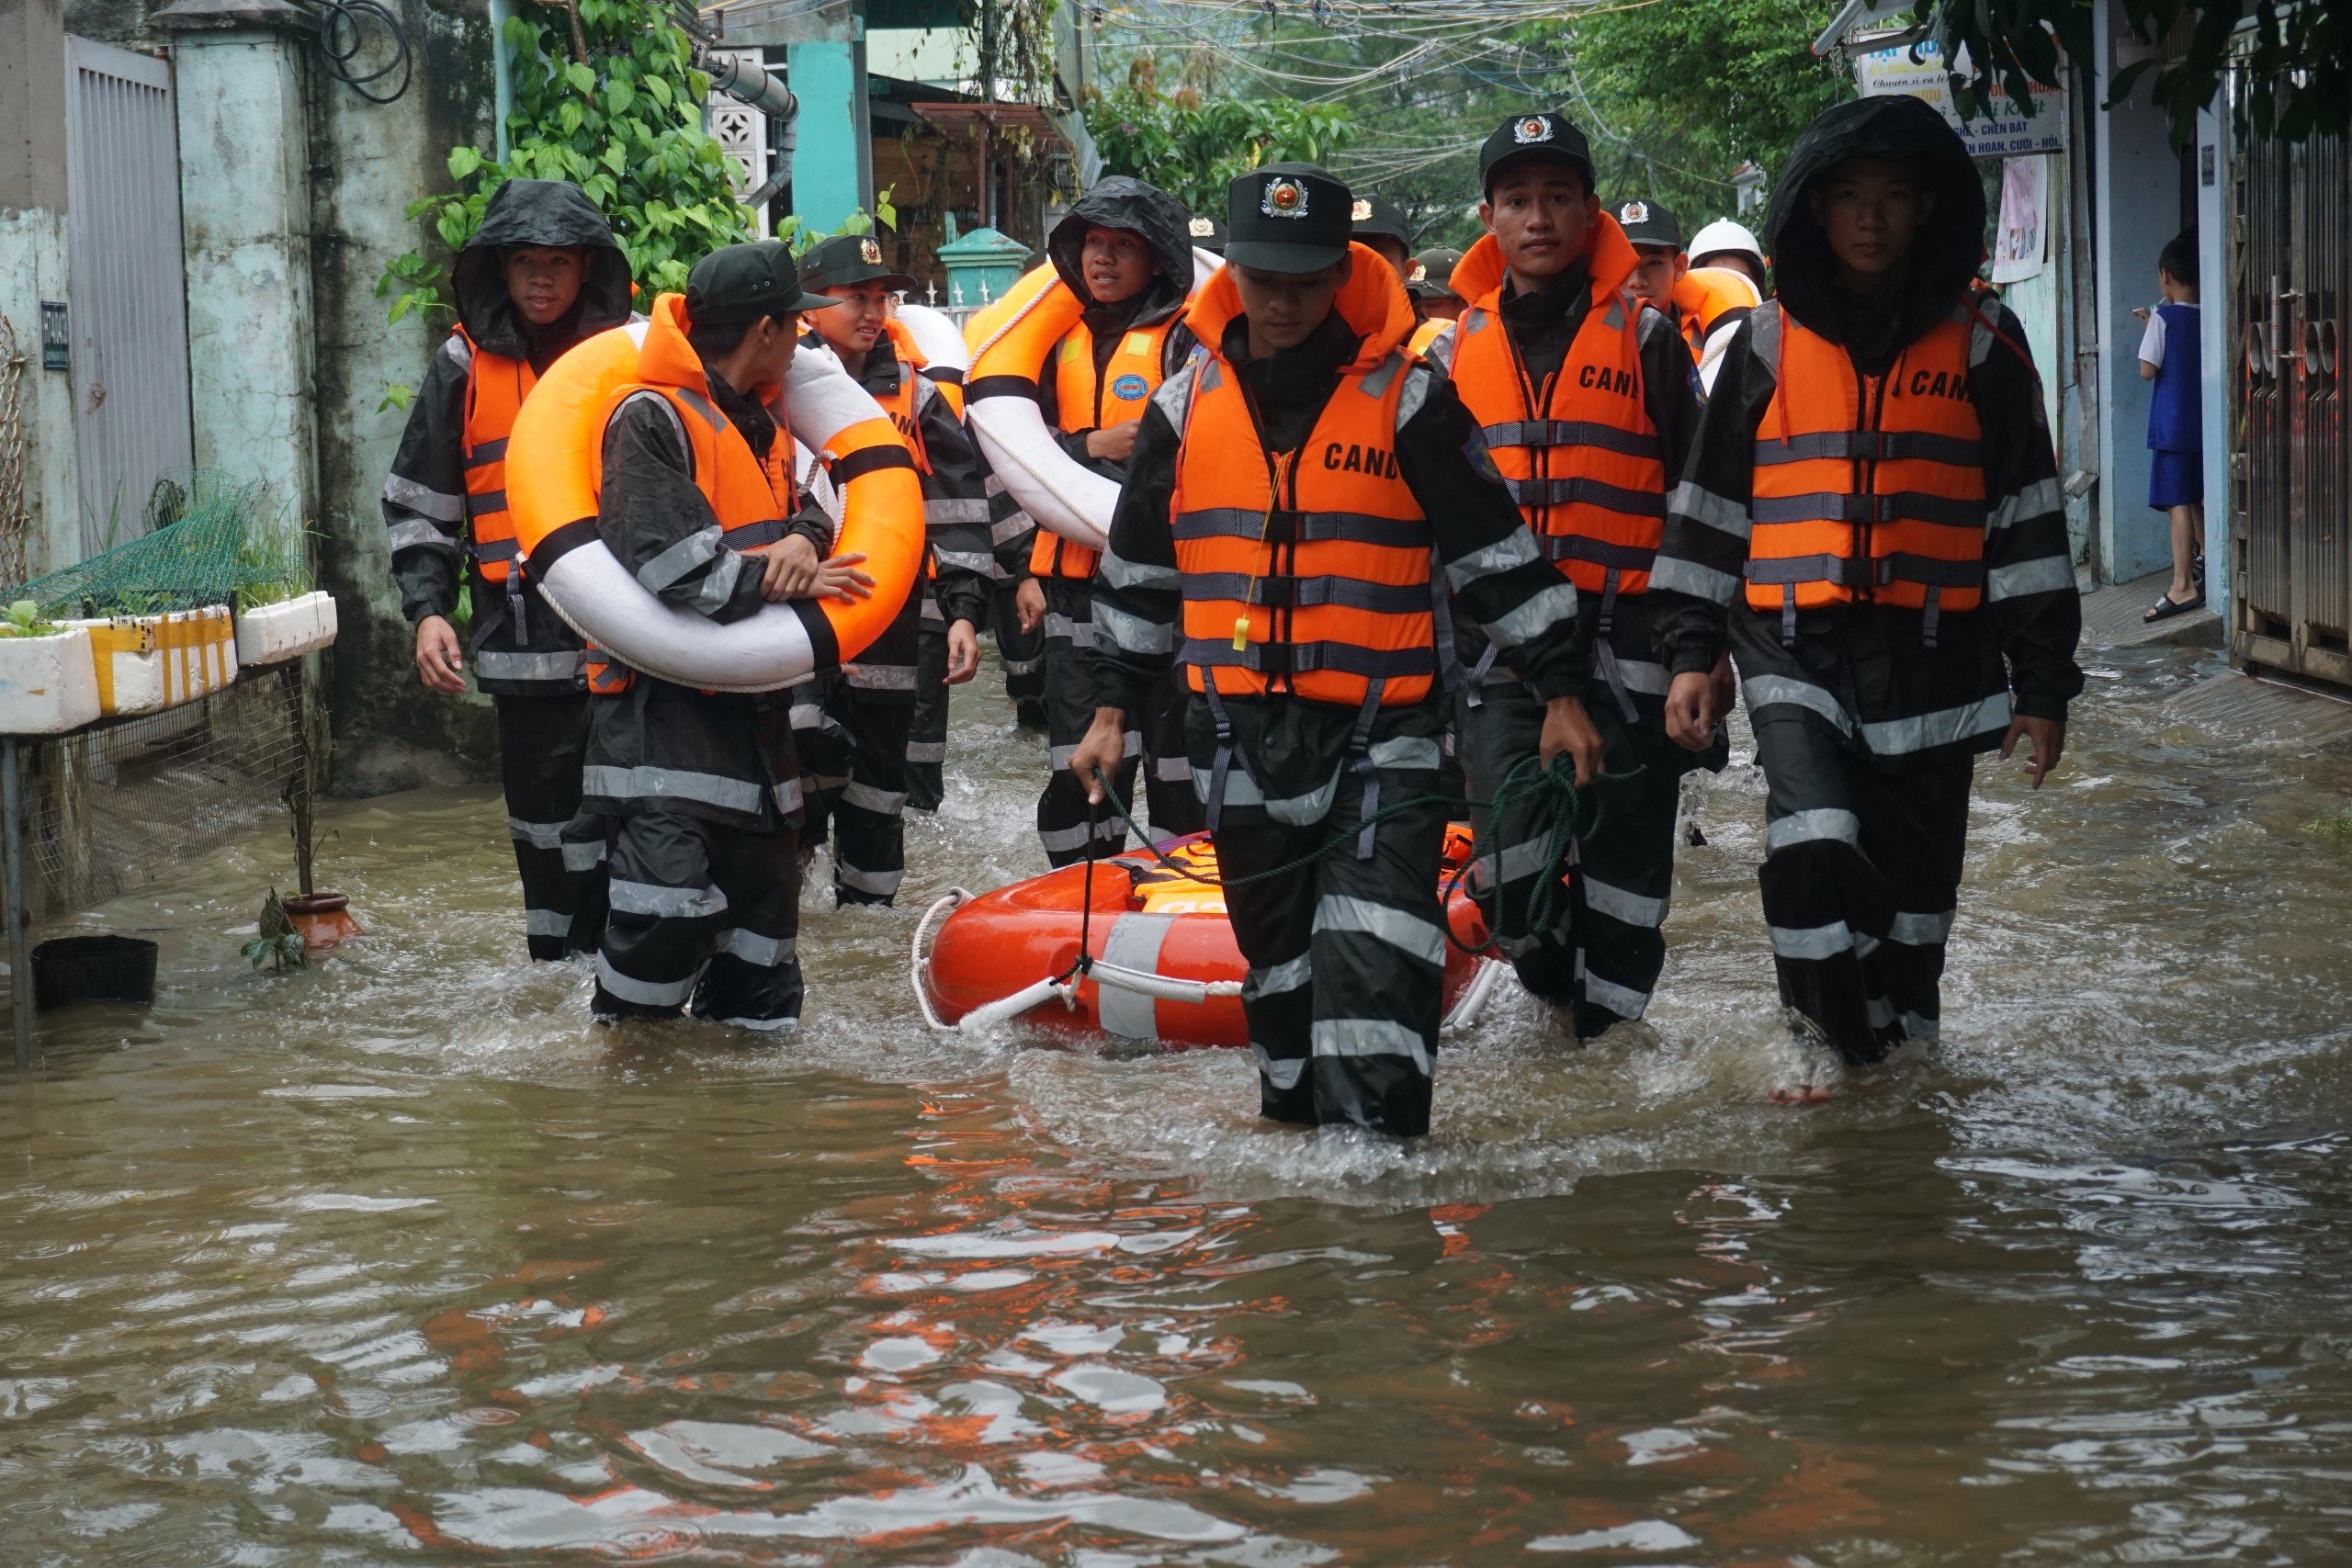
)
(111, 809)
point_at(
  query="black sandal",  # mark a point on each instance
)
(2166, 607)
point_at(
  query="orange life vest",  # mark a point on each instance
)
(495, 388)
(1086, 401)
(899, 404)
(1867, 489)
(1305, 571)
(1580, 453)
(1704, 294)
(751, 497)
(1428, 333)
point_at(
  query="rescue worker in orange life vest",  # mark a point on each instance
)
(1872, 518)
(1586, 403)
(702, 790)
(1706, 304)
(1293, 490)
(857, 727)
(541, 273)
(1724, 243)
(1434, 300)
(1126, 249)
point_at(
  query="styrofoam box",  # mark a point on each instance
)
(147, 663)
(47, 684)
(272, 634)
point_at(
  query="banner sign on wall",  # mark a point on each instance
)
(2007, 135)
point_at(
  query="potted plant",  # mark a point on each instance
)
(49, 682)
(319, 918)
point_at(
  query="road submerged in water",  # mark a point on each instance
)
(400, 1260)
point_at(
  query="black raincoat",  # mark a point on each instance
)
(1868, 718)
(518, 646)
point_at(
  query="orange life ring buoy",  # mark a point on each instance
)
(1146, 919)
(554, 459)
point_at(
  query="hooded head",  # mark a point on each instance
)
(1943, 255)
(539, 212)
(1158, 219)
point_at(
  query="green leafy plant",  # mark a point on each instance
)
(277, 943)
(23, 618)
(606, 96)
(1194, 145)
(273, 567)
(2288, 55)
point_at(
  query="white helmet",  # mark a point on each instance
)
(1723, 235)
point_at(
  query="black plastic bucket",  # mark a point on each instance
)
(93, 969)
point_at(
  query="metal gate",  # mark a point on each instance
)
(2291, 276)
(128, 297)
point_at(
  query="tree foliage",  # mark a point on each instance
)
(2297, 61)
(1194, 145)
(608, 99)
(1676, 95)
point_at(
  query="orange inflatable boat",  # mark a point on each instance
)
(1165, 965)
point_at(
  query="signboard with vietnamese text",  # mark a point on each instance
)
(1918, 70)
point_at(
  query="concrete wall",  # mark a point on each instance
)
(2136, 188)
(294, 140)
(368, 163)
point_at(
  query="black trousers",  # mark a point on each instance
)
(1600, 952)
(853, 750)
(1155, 748)
(1860, 882)
(927, 739)
(1022, 654)
(704, 914)
(541, 742)
(1347, 958)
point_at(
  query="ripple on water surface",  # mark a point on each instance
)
(400, 1260)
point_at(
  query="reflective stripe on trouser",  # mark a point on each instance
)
(927, 742)
(1347, 960)
(1062, 815)
(1022, 653)
(541, 741)
(858, 750)
(701, 913)
(1861, 876)
(1606, 946)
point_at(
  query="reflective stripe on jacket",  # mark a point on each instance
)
(495, 388)
(1581, 455)
(1867, 489)
(1306, 571)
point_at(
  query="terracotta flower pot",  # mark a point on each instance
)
(324, 918)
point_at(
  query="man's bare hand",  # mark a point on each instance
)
(963, 652)
(791, 569)
(1690, 711)
(1098, 755)
(1726, 685)
(1567, 727)
(1114, 445)
(439, 664)
(2049, 738)
(1029, 605)
(838, 578)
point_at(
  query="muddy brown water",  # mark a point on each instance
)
(402, 1261)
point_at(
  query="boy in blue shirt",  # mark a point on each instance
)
(2169, 356)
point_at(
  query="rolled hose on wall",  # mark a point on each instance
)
(1014, 338)
(555, 453)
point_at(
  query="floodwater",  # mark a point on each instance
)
(399, 1260)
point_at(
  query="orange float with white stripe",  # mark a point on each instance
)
(554, 460)
(1012, 341)
(1165, 966)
